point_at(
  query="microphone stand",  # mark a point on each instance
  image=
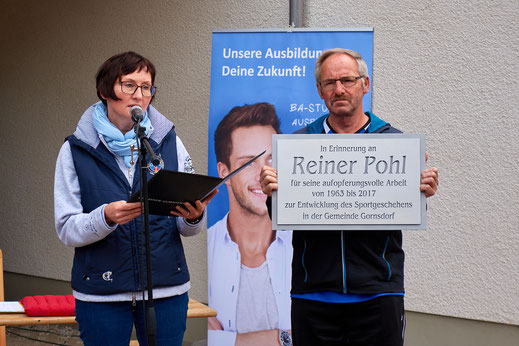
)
(151, 323)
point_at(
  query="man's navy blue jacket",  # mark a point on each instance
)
(353, 262)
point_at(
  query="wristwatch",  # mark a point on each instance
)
(285, 339)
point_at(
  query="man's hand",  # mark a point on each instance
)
(193, 212)
(429, 182)
(268, 180)
(121, 212)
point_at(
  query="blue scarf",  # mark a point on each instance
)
(118, 143)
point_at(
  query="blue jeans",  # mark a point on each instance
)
(111, 323)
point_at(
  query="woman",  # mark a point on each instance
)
(95, 176)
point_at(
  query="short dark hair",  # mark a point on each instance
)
(119, 65)
(258, 114)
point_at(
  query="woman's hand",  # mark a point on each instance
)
(121, 212)
(193, 212)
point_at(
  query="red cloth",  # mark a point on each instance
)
(49, 305)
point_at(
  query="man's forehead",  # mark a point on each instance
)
(339, 62)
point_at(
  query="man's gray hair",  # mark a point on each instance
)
(363, 67)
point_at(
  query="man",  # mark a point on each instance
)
(347, 286)
(249, 263)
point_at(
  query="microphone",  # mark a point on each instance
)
(136, 114)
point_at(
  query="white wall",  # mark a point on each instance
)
(446, 68)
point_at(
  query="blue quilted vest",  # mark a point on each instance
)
(116, 264)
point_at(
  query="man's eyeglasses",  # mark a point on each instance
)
(348, 81)
(131, 88)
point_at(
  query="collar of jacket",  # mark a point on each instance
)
(86, 132)
(376, 124)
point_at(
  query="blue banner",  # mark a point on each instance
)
(262, 83)
(273, 67)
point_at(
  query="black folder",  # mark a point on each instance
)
(167, 189)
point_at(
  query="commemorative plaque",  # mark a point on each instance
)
(348, 182)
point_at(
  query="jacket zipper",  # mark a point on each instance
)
(130, 176)
(343, 250)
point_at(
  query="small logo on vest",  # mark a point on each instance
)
(107, 276)
(155, 169)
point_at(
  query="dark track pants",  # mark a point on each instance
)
(376, 322)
